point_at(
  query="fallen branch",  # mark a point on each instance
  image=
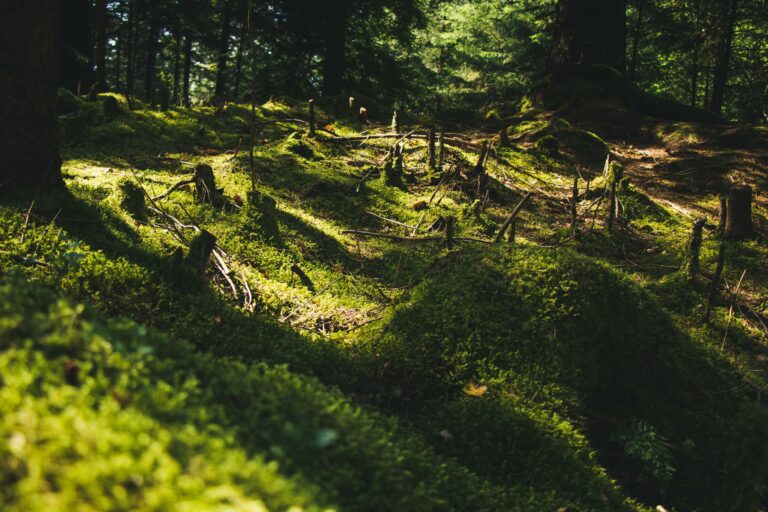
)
(512, 217)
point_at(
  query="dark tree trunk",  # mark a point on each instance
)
(334, 66)
(239, 67)
(177, 66)
(720, 80)
(221, 66)
(738, 223)
(130, 72)
(118, 69)
(695, 58)
(152, 49)
(591, 32)
(185, 99)
(29, 53)
(636, 40)
(76, 45)
(100, 52)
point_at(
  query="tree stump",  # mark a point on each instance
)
(260, 212)
(449, 232)
(312, 122)
(200, 249)
(362, 115)
(723, 214)
(395, 123)
(432, 162)
(205, 183)
(691, 265)
(441, 150)
(738, 224)
(503, 138)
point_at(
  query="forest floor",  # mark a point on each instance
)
(382, 372)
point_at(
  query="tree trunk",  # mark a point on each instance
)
(696, 55)
(239, 67)
(130, 72)
(76, 45)
(636, 40)
(334, 66)
(100, 53)
(738, 224)
(185, 98)
(177, 66)
(591, 32)
(152, 49)
(29, 53)
(723, 64)
(221, 66)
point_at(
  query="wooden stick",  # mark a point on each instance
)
(730, 312)
(312, 123)
(715, 282)
(512, 217)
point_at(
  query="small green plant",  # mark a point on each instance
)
(643, 443)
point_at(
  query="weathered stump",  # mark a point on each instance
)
(691, 265)
(503, 138)
(432, 157)
(449, 232)
(312, 122)
(200, 249)
(260, 214)
(738, 224)
(395, 123)
(723, 214)
(205, 183)
(441, 150)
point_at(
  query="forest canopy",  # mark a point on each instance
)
(432, 55)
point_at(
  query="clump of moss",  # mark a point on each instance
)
(548, 145)
(132, 199)
(296, 145)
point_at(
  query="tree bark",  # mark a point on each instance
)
(76, 45)
(100, 52)
(720, 80)
(636, 40)
(591, 32)
(221, 66)
(738, 223)
(130, 72)
(334, 66)
(185, 98)
(29, 53)
(152, 49)
(177, 66)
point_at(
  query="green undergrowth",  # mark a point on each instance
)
(367, 374)
(562, 342)
(107, 415)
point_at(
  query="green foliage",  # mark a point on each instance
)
(643, 443)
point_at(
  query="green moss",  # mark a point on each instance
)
(559, 333)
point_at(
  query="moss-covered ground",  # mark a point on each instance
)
(328, 370)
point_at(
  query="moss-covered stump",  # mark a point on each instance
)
(259, 217)
(132, 199)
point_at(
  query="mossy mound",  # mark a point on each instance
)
(553, 331)
(557, 136)
(104, 415)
